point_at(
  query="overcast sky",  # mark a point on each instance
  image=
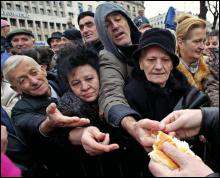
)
(153, 8)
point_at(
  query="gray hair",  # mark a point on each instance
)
(13, 61)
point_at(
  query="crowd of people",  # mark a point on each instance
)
(87, 105)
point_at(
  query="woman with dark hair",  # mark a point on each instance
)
(80, 71)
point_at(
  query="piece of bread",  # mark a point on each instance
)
(159, 156)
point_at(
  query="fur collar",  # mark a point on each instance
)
(199, 76)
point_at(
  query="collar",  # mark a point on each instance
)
(193, 67)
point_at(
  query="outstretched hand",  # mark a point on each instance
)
(96, 142)
(59, 120)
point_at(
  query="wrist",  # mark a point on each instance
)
(46, 127)
(128, 123)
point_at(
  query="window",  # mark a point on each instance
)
(61, 4)
(39, 37)
(45, 25)
(55, 13)
(48, 12)
(69, 3)
(90, 8)
(30, 23)
(128, 7)
(80, 7)
(58, 26)
(70, 14)
(37, 24)
(34, 10)
(48, 3)
(62, 14)
(52, 25)
(26, 9)
(64, 26)
(42, 11)
(54, 3)
(13, 22)
(134, 10)
(22, 23)
(18, 7)
(41, 2)
(8, 5)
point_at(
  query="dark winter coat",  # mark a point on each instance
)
(55, 152)
(119, 163)
(210, 129)
(153, 102)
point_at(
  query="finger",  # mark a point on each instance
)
(171, 117)
(150, 124)
(174, 126)
(75, 123)
(51, 108)
(147, 141)
(177, 156)
(158, 170)
(106, 139)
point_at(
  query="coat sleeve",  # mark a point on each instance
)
(210, 123)
(112, 102)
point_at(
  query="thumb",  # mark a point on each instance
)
(51, 108)
(106, 139)
(99, 136)
(177, 156)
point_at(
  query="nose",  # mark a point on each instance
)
(114, 25)
(33, 80)
(158, 64)
(84, 86)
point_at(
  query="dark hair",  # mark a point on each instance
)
(84, 14)
(41, 55)
(213, 33)
(72, 57)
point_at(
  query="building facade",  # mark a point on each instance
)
(46, 17)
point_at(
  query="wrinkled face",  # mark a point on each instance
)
(192, 47)
(88, 29)
(30, 79)
(84, 82)
(118, 29)
(55, 44)
(22, 42)
(211, 43)
(156, 64)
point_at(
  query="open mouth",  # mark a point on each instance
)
(119, 35)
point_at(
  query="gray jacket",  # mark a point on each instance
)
(115, 68)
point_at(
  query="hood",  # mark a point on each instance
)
(101, 13)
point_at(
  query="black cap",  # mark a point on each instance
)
(54, 35)
(72, 34)
(18, 32)
(159, 37)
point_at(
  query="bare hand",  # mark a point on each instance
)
(96, 142)
(4, 139)
(143, 132)
(185, 123)
(189, 166)
(57, 119)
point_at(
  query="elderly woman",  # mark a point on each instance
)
(159, 88)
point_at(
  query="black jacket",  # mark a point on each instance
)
(153, 102)
(56, 153)
(210, 128)
(119, 163)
